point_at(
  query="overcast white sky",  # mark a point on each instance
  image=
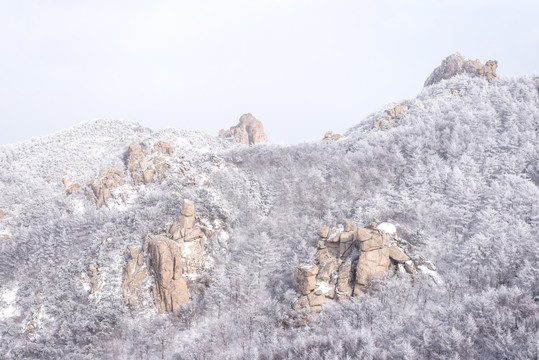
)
(302, 67)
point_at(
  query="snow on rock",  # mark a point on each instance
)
(388, 228)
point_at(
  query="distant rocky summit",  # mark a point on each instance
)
(456, 64)
(249, 131)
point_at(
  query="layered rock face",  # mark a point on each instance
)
(104, 184)
(168, 257)
(249, 131)
(392, 115)
(348, 258)
(144, 166)
(456, 64)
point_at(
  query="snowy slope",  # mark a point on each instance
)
(458, 171)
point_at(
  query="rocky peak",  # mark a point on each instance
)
(456, 64)
(249, 131)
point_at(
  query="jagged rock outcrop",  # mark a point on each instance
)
(95, 280)
(330, 136)
(249, 131)
(392, 116)
(348, 258)
(169, 257)
(144, 165)
(456, 64)
(103, 186)
(70, 186)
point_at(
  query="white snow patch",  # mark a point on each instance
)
(78, 207)
(222, 238)
(433, 274)
(324, 286)
(8, 297)
(388, 228)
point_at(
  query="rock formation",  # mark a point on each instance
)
(330, 136)
(168, 257)
(144, 166)
(456, 64)
(249, 131)
(69, 186)
(104, 184)
(2, 213)
(392, 114)
(348, 258)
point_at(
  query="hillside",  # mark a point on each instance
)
(456, 171)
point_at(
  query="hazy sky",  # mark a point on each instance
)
(302, 67)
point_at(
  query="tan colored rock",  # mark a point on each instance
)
(163, 147)
(144, 167)
(249, 131)
(346, 248)
(188, 208)
(170, 288)
(148, 175)
(456, 64)
(347, 236)
(72, 189)
(392, 114)
(135, 272)
(372, 264)
(333, 236)
(169, 257)
(330, 136)
(102, 186)
(305, 278)
(5, 236)
(2, 213)
(316, 298)
(350, 226)
(301, 303)
(378, 240)
(344, 282)
(397, 254)
(323, 232)
(186, 222)
(67, 181)
(363, 234)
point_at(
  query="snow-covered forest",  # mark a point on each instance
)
(458, 173)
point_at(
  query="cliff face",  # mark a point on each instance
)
(168, 257)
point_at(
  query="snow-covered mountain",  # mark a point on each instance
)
(455, 170)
